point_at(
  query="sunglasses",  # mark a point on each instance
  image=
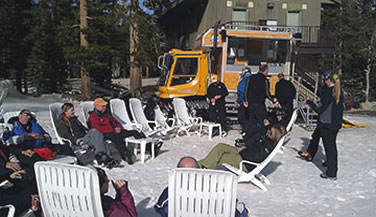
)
(27, 114)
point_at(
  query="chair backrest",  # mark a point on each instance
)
(160, 119)
(201, 193)
(11, 209)
(55, 111)
(3, 95)
(119, 111)
(263, 164)
(68, 190)
(138, 113)
(292, 120)
(181, 111)
(11, 114)
(87, 106)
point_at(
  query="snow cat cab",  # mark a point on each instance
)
(225, 50)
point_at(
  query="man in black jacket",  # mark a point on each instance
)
(257, 90)
(217, 92)
(285, 93)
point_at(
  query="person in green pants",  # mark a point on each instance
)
(255, 150)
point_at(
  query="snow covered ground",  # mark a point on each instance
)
(296, 188)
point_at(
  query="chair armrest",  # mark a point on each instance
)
(11, 208)
(65, 140)
(172, 120)
(247, 162)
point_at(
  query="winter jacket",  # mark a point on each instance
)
(19, 130)
(103, 122)
(122, 206)
(285, 92)
(330, 113)
(241, 89)
(76, 131)
(218, 88)
(257, 89)
(258, 149)
(4, 159)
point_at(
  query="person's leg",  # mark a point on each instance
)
(61, 149)
(213, 159)
(119, 142)
(314, 143)
(212, 113)
(96, 140)
(329, 140)
(242, 117)
(222, 117)
(259, 113)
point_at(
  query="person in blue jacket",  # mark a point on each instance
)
(330, 110)
(28, 134)
(242, 111)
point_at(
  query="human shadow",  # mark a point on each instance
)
(143, 210)
(270, 168)
(318, 159)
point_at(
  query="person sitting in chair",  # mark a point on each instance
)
(28, 134)
(111, 129)
(256, 149)
(69, 127)
(123, 204)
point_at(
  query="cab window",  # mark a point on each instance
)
(185, 71)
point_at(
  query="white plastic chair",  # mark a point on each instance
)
(119, 111)
(55, 111)
(255, 176)
(162, 123)
(11, 210)
(201, 193)
(68, 190)
(87, 107)
(185, 122)
(289, 129)
(139, 117)
(58, 158)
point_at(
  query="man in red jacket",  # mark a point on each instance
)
(111, 129)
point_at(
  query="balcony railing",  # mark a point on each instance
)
(307, 34)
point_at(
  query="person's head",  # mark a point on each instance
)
(281, 76)
(24, 116)
(213, 78)
(100, 104)
(103, 180)
(245, 71)
(276, 132)
(331, 79)
(263, 68)
(67, 110)
(188, 162)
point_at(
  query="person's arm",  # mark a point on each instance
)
(267, 90)
(64, 131)
(325, 100)
(124, 196)
(117, 123)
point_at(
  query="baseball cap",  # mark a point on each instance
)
(326, 75)
(100, 101)
(245, 71)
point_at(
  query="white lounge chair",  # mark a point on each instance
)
(185, 122)
(289, 128)
(11, 210)
(163, 122)
(139, 117)
(58, 158)
(87, 107)
(255, 176)
(119, 111)
(201, 193)
(68, 190)
(3, 95)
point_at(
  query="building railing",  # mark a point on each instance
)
(307, 34)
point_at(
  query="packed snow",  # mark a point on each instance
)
(296, 188)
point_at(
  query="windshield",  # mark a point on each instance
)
(165, 70)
